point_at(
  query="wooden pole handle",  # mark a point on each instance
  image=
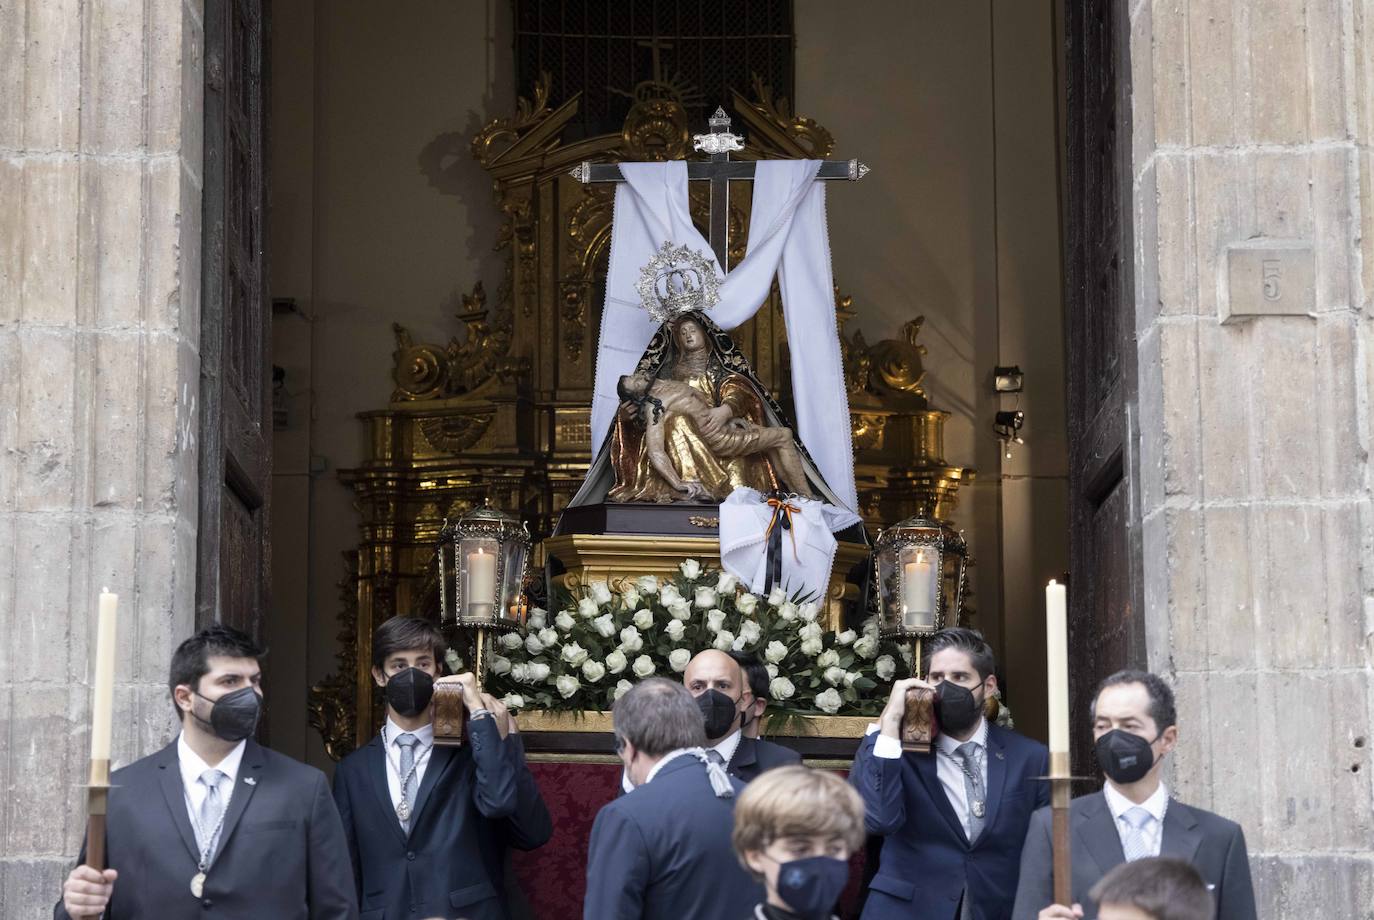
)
(1060, 794)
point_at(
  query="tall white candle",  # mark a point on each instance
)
(918, 594)
(481, 583)
(1057, 661)
(102, 702)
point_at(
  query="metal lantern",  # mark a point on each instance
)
(482, 570)
(920, 566)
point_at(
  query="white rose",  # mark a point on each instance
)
(812, 647)
(512, 641)
(739, 644)
(726, 583)
(846, 637)
(643, 666)
(644, 618)
(780, 688)
(621, 688)
(500, 665)
(680, 610)
(601, 592)
(574, 654)
(605, 625)
(548, 636)
(668, 596)
(567, 685)
(587, 608)
(616, 661)
(776, 597)
(746, 603)
(810, 631)
(850, 677)
(787, 611)
(715, 619)
(809, 611)
(564, 621)
(750, 631)
(675, 629)
(630, 640)
(538, 672)
(828, 658)
(630, 598)
(866, 647)
(724, 639)
(513, 701)
(537, 618)
(834, 676)
(885, 667)
(907, 654)
(593, 670)
(772, 670)
(829, 701)
(647, 584)
(533, 645)
(678, 658)
(870, 627)
(690, 569)
(775, 652)
(705, 598)
(520, 672)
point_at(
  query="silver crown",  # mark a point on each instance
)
(677, 280)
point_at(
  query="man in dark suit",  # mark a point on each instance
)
(214, 825)
(952, 820)
(1133, 817)
(663, 850)
(720, 687)
(428, 825)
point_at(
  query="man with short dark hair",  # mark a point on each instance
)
(215, 825)
(1135, 726)
(1153, 888)
(756, 678)
(719, 686)
(663, 850)
(952, 820)
(429, 825)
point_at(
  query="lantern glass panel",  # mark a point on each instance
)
(920, 586)
(513, 576)
(477, 564)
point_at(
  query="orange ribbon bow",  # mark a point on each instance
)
(780, 507)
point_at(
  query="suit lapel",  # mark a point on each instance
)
(376, 774)
(930, 777)
(1181, 837)
(441, 758)
(1096, 829)
(250, 772)
(169, 769)
(745, 760)
(997, 776)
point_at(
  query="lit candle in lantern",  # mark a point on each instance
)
(1057, 660)
(918, 594)
(481, 593)
(102, 702)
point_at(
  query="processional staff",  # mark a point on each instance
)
(102, 723)
(1060, 778)
(719, 170)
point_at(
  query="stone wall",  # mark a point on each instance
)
(100, 165)
(1252, 127)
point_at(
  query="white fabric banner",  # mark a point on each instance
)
(787, 239)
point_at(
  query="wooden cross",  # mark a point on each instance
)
(719, 170)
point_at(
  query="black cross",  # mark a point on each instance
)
(719, 170)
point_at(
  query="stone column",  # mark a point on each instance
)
(1252, 177)
(100, 166)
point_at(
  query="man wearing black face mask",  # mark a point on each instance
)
(215, 825)
(429, 826)
(1133, 817)
(952, 820)
(718, 684)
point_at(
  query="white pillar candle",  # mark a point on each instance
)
(102, 701)
(918, 593)
(481, 594)
(1057, 661)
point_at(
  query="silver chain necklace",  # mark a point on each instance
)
(203, 866)
(978, 806)
(402, 807)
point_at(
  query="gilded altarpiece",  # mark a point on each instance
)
(501, 412)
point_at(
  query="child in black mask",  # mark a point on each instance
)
(795, 830)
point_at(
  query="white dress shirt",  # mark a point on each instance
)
(425, 735)
(946, 766)
(1153, 831)
(726, 748)
(191, 769)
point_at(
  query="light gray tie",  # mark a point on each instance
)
(407, 744)
(973, 787)
(1135, 842)
(211, 812)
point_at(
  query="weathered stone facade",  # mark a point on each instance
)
(1253, 122)
(100, 165)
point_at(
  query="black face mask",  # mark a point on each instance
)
(1124, 757)
(812, 886)
(233, 716)
(956, 708)
(409, 691)
(719, 712)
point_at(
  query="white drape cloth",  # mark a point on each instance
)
(787, 238)
(744, 518)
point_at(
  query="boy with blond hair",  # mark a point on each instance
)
(795, 830)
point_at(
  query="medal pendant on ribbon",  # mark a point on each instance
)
(403, 810)
(978, 809)
(198, 884)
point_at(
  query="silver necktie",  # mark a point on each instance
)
(1135, 842)
(973, 788)
(211, 812)
(407, 744)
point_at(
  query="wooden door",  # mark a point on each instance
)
(1106, 629)
(233, 574)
